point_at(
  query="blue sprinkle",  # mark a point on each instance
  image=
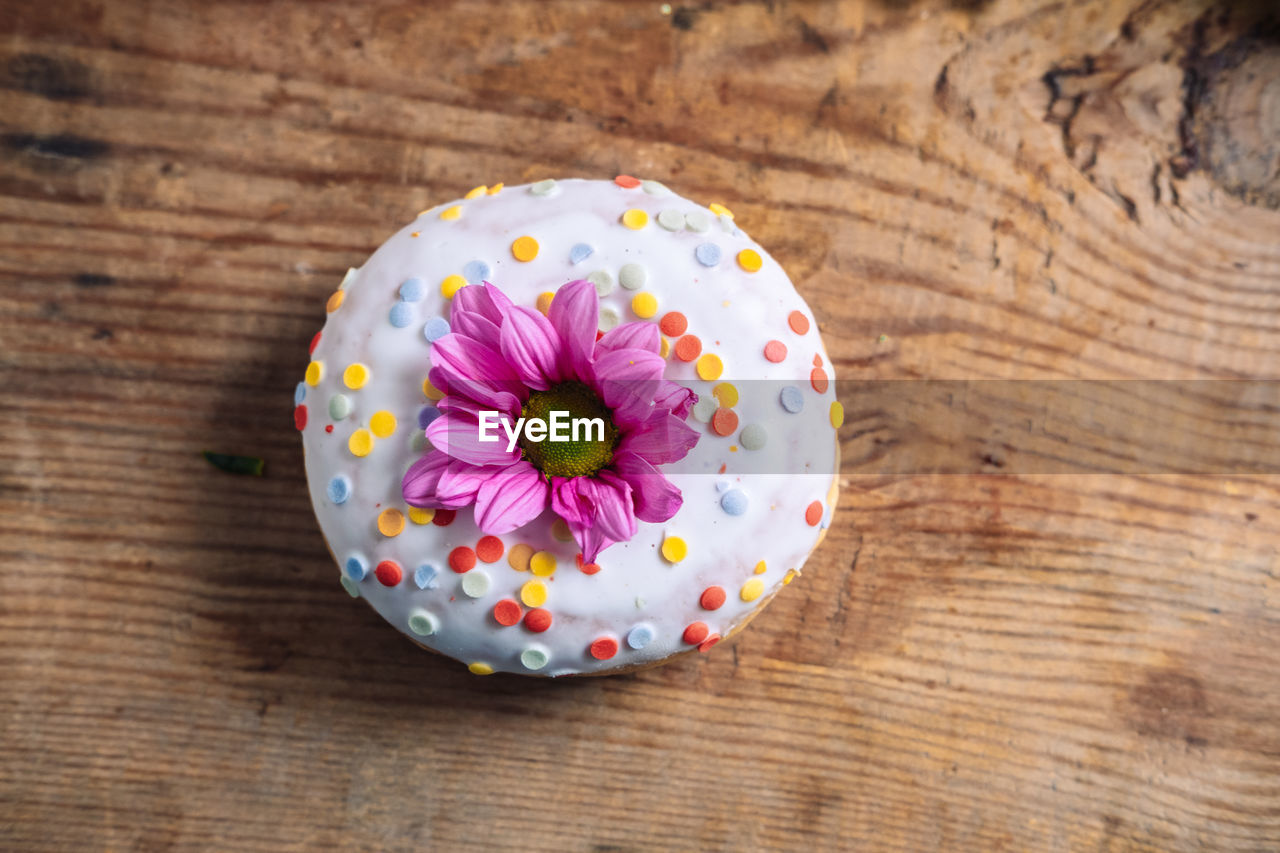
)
(357, 567)
(300, 393)
(401, 315)
(791, 399)
(412, 289)
(580, 253)
(339, 489)
(722, 486)
(476, 272)
(426, 415)
(436, 328)
(708, 254)
(734, 502)
(640, 636)
(425, 576)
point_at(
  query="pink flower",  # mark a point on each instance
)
(512, 360)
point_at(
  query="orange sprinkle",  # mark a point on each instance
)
(712, 598)
(335, 301)
(724, 421)
(390, 522)
(798, 323)
(775, 351)
(537, 620)
(462, 559)
(813, 514)
(688, 348)
(489, 549)
(587, 568)
(695, 633)
(818, 378)
(817, 360)
(507, 612)
(604, 648)
(627, 182)
(706, 644)
(388, 573)
(673, 324)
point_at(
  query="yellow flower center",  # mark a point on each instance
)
(584, 452)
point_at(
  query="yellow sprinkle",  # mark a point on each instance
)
(382, 423)
(431, 391)
(733, 448)
(665, 348)
(543, 564)
(837, 414)
(451, 285)
(355, 376)
(495, 189)
(534, 594)
(477, 192)
(644, 305)
(518, 557)
(710, 367)
(720, 210)
(524, 248)
(560, 530)
(416, 234)
(421, 515)
(791, 573)
(315, 372)
(635, 219)
(360, 443)
(760, 567)
(390, 522)
(751, 589)
(749, 260)
(544, 301)
(726, 394)
(451, 212)
(335, 301)
(674, 549)
(480, 668)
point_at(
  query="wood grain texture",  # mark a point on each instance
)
(1073, 189)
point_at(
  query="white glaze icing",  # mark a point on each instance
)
(732, 311)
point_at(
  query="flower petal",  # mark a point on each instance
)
(597, 509)
(676, 398)
(627, 380)
(660, 439)
(511, 499)
(630, 336)
(468, 367)
(419, 483)
(575, 315)
(457, 433)
(459, 482)
(655, 498)
(531, 346)
(476, 327)
(484, 300)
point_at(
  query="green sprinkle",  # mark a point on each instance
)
(235, 464)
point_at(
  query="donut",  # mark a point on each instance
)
(440, 414)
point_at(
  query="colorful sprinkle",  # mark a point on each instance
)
(451, 285)
(560, 530)
(754, 436)
(300, 417)
(644, 305)
(349, 585)
(775, 351)
(580, 252)
(640, 636)
(360, 443)
(534, 594)
(544, 301)
(720, 210)
(315, 342)
(489, 549)
(335, 301)
(480, 668)
(339, 489)
(704, 409)
(673, 324)
(390, 522)
(836, 414)
(495, 189)
(697, 222)
(444, 517)
(299, 393)
(426, 416)
(674, 549)
(633, 276)
(726, 393)
(524, 248)
(791, 573)
(546, 187)
(534, 657)
(798, 323)
(627, 182)
(688, 348)
(751, 590)
(382, 424)
(734, 502)
(476, 271)
(357, 567)
(706, 644)
(760, 568)
(475, 192)
(695, 633)
(749, 260)
(708, 254)
(654, 188)
(339, 406)
(672, 220)
(451, 213)
(602, 280)
(315, 372)
(425, 576)
(543, 564)
(388, 573)
(462, 559)
(413, 289)
(519, 556)
(537, 619)
(712, 598)
(355, 376)
(587, 568)
(813, 514)
(664, 347)
(635, 219)
(724, 422)
(609, 319)
(507, 612)
(710, 367)
(476, 584)
(435, 329)
(430, 391)
(604, 648)
(818, 379)
(423, 624)
(792, 399)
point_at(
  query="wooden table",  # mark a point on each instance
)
(1003, 661)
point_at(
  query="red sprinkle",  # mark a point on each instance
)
(695, 633)
(817, 360)
(712, 598)
(462, 559)
(604, 648)
(818, 379)
(673, 325)
(507, 612)
(329, 428)
(587, 568)
(627, 182)
(813, 514)
(537, 620)
(388, 573)
(300, 417)
(315, 342)
(706, 644)
(444, 517)
(489, 549)
(798, 323)
(724, 421)
(775, 351)
(688, 348)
